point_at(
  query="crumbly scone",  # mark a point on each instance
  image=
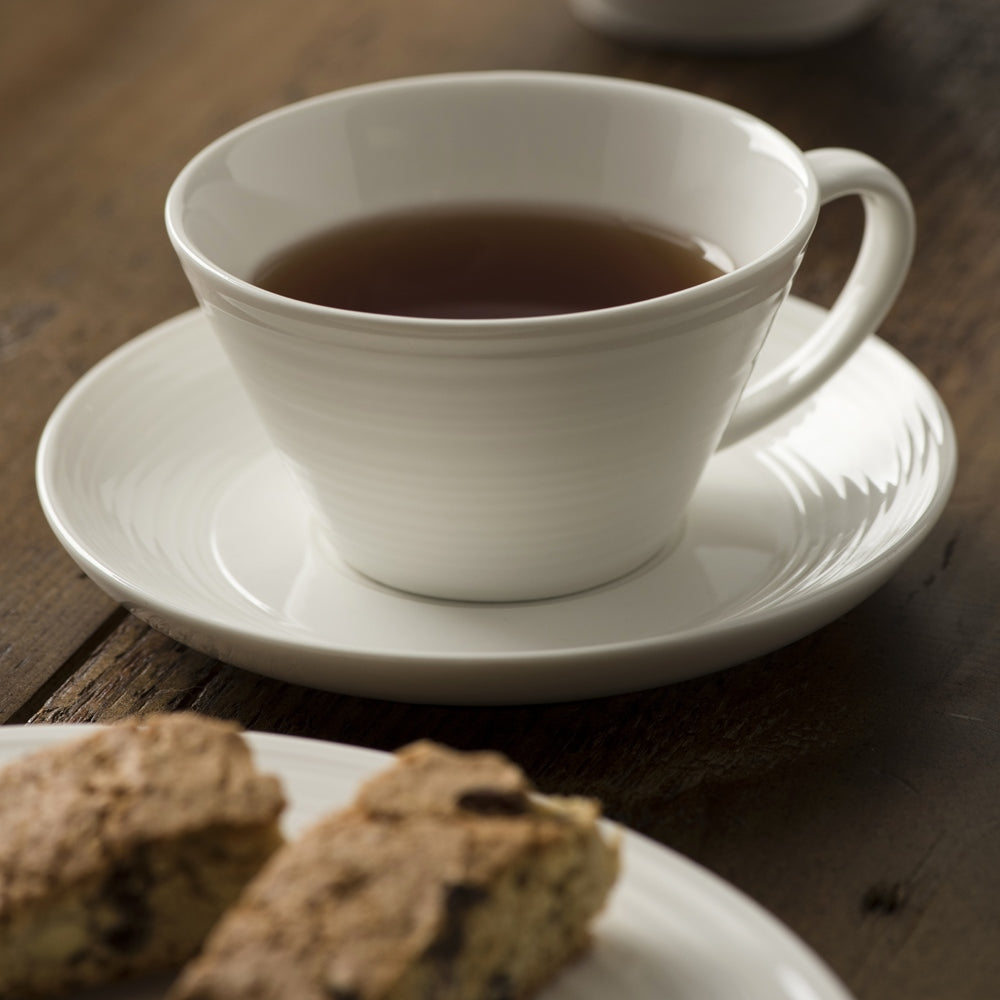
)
(446, 878)
(120, 850)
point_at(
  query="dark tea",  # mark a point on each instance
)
(487, 262)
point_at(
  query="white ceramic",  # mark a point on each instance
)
(520, 459)
(671, 928)
(726, 24)
(155, 475)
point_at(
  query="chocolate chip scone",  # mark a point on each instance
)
(446, 878)
(119, 851)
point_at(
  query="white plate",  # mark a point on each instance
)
(156, 477)
(672, 929)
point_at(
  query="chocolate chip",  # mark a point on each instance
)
(493, 802)
(126, 895)
(499, 987)
(336, 992)
(458, 900)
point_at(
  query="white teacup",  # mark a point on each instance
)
(515, 459)
(726, 25)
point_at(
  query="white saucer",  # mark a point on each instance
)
(155, 475)
(671, 928)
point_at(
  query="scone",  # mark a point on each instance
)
(118, 851)
(445, 879)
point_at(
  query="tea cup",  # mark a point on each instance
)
(530, 457)
(726, 25)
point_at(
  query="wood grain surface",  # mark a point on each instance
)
(850, 782)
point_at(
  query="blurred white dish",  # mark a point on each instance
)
(157, 479)
(726, 24)
(672, 929)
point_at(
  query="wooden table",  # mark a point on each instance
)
(849, 782)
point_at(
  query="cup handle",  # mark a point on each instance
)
(870, 290)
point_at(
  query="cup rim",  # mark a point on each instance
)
(694, 299)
